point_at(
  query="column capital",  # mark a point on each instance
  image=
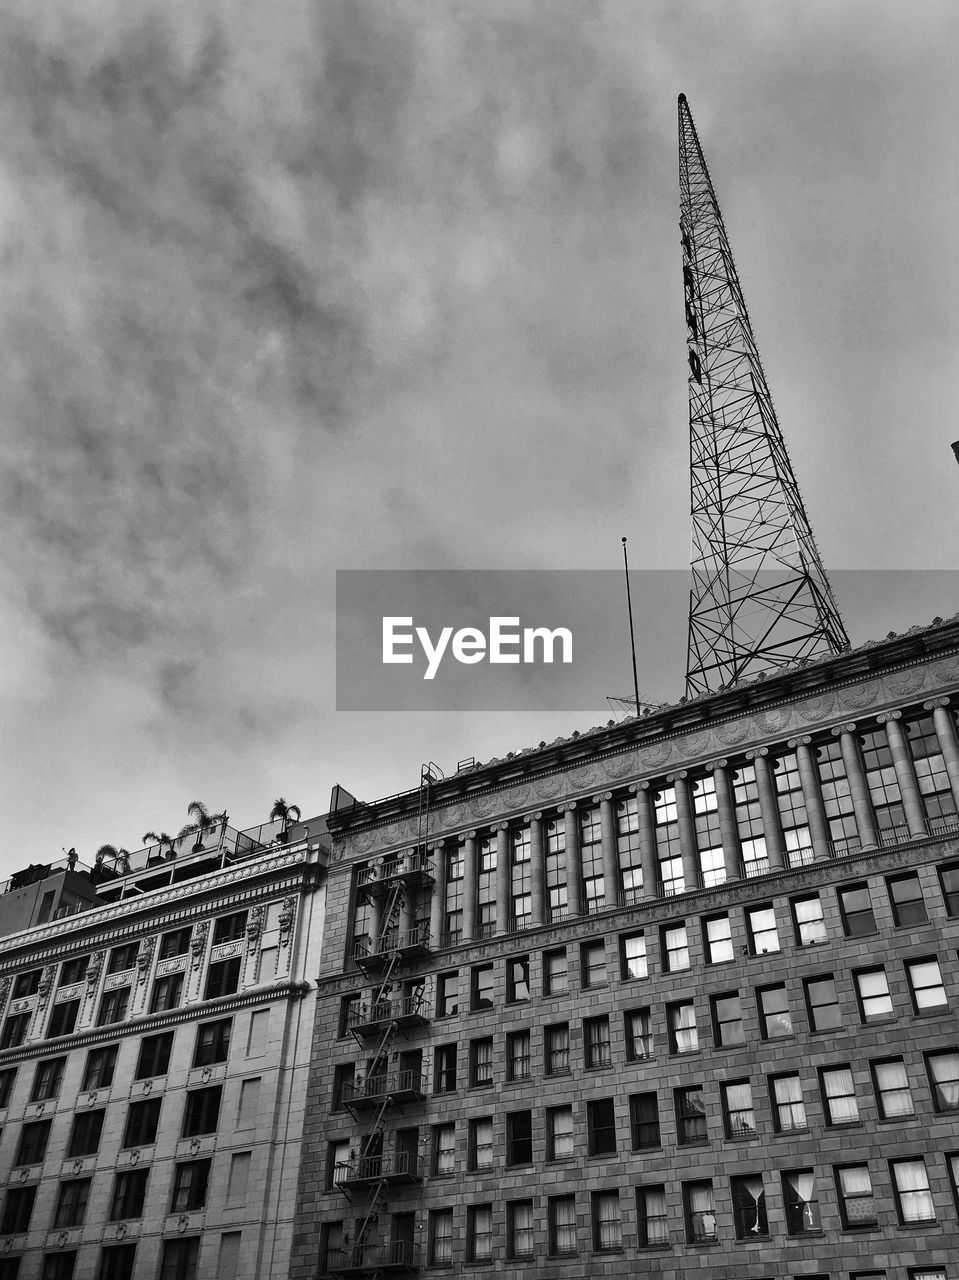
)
(643, 786)
(437, 848)
(568, 806)
(501, 826)
(535, 815)
(757, 753)
(889, 715)
(802, 741)
(602, 795)
(713, 765)
(839, 729)
(469, 835)
(679, 776)
(942, 701)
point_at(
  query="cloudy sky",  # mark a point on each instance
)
(286, 288)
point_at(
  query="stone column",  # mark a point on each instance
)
(574, 861)
(905, 773)
(946, 733)
(772, 825)
(504, 879)
(812, 796)
(728, 828)
(470, 878)
(537, 868)
(376, 915)
(607, 822)
(687, 830)
(859, 788)
(647, 840)
(438, 898)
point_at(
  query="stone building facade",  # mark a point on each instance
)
(672, 997)
(153, 1059)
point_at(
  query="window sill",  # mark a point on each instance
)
(603, 1066)
(925, 1224)
(861, 1228)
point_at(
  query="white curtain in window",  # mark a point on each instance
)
(841, 1092)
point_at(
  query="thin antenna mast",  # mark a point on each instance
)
(760, 599)
(632, 637)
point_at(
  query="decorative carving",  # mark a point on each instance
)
(285, 921)
(121, 1231)
(4, 991)
(757, 753)
(547, 788)
(198, 943)
(935, 702)
(713, 765)
(621, 766)
(587, 777)
(860, 696)
(653, 757)
(46, 986)
(814, 709)
(254, 929)
(145, 958)
(848, 727)
(516, 797)
(889, 715)
(774, 720)
(194, 1146)
(93, 973)
(696, 744)
(804, 740)
(183, 1221)
(947, 670)
(912, 680)
(734, 732)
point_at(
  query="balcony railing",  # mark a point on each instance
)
(939, 826)
(801, 857)
(414, 864)
(401, 1086)
(895, 835)
(377, 952)
(409, 1011)
(399, 1256)
(755, 867)
(391, 1166)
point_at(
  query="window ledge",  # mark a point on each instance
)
(925, 1224)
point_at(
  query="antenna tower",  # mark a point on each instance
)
(760, 599)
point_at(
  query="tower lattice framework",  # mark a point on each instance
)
(760, 599)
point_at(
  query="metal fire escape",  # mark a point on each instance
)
(381, 1087)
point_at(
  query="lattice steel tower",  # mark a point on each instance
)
(760, 599)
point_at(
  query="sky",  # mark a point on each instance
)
(286, 289)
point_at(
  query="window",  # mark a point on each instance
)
(447, 995)
(949, 883)
(739, 1118)
(925, 983)
(749, 1206)
(822, 1003)
(59, 1266)
(350, 1012)
(154, 1059)
(479, 1232)
(789, 1112)
(727, 1018)
(117, 1262)
(913, 1197)
(142, 1120)
(855, 908)
(113, 1006)
(559, 1133)
(683, 1037)
(85, 1134)
(189, 1186)
(892, 1089)
(72, 1203)
(444, 1068)
(176, 943)
(651, 1215)
(854, 1189)
(47, 1079)
(943, 1071)
(644, 1121)
(223, 978)
(62, 1020)
(167, 992)
(639, 1039)
(690, 1116)
(906, 900)
(481, 1062)
(632, 956)
(229, 928)
(593, 964)
(839, 1095)
(519, 1228)
(440, 1238)
(802, 1204)
(561, 1216)
(557, 1049)
(72, 971)
(607, 1229)
(443, 1160)
(555, 972)
(7, 1078)
(32, 1146)
(212, 1042)
(123, 958)
(763, 934)
(201, 1113)
(774, 1016)
(700, 1211)
(519, 1137)
(99, 1068)
(17, 1210)
(718, 939)
(517, 973)
(179, 1259)
(15, 1028)
(675, 948)
(482, 986)
(872, 991)
(26, 984)
(596, 1041)
(480, 1153)
(808, 917)
(601, 1127)
(927, 1273)
(340, 1161)
(518, 1055)
(129, 1194)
